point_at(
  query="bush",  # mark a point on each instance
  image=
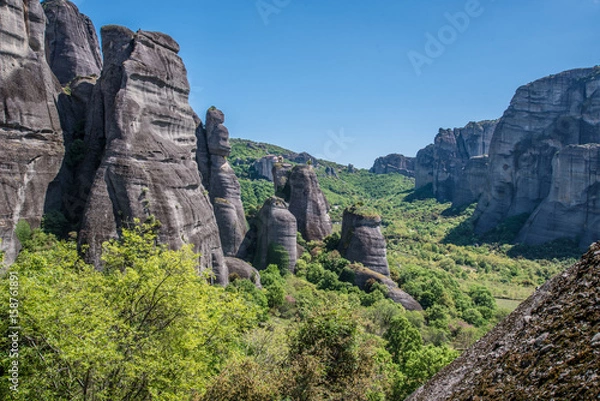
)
(23, 231)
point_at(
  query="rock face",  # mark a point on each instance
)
(31, 149)
(394, 163)
(363, 276)
(263, 167)
(72, 47)
(308, 204)
(572, 208)
(362, 241)
(544, 117)
(446, 163)
(275, 228)
(281, 175)
(547, 349)
(143, 131)
(221, 181)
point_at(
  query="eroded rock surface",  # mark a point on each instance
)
(72, 47)
(308, 204)
(31, 149)
(444, 164)
(544, 117)
(544, 350)
(240, 269)
(144, 135)
(364, 276)
(220, 181)
(394, 163)
(362, 241)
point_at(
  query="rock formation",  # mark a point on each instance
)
(274, 232)
(363, 276)
(572, 208)
(72, 47)
(446, 165)
(394, 163)
(281, 175)
(143, 131)
(242, 270)
(73, 53)
(543, 118)
(308, 204)
(263, 167)
(362, 240)
(547, 349)
(220, 180)
(31, 149)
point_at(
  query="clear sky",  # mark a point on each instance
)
(354, 80)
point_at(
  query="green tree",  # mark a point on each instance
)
(403, 340)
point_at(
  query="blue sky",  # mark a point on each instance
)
(336, 78)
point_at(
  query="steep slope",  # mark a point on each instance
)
(544, 117)
(31, 149)
(547, 349)
(143, 133)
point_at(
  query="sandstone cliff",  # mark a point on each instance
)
(143, 136)
(308, 204)
(445, 164)
(31, 149)
(547, 349)
(543, 118)
(220, 181)
(394, 163)
(72, 47)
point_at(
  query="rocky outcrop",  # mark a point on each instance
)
(275, 232)
(72, 47)
(547, 349)
(394, 163)
(237, 268)
(281, 175)
(444, 164)
(263, 167)
(572, 208)
(31, 149)
(143, 131)
(363, 278)
(308, 204)
(544, 117)
(362, 240)
(220, 180)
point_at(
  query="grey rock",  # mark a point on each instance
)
(572, 208)
(144, 128)
(543, 118)
(394, 163)
(274, 226)
(520, 357)
(220, 181)
(263, 167)
(72, 47)
(302, 158)
(242, 270)
(362, 241)
(281, 175)
(308, 204)
(351, 169)
(363, 275)
(31, 149)
(444, 164)
(596, 340)
(330, 171)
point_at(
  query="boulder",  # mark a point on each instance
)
(31, 149)
(544, 350)
(72, 47)
(394, 163)
(363, 277)
(143, 134)
(242, 270)
(308, 204)
(543, 118)
(362, 240)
